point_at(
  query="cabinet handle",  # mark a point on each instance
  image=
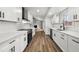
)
(3, 14)
(24, 38)
(12, 42)
(62, 38)
(0, 13)
(54, 35)
(13, 49)
(75, 41)
(18, 19)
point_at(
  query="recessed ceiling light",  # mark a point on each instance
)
(38, 10)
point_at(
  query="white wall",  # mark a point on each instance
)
(47, 25)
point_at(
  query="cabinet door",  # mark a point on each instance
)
(55, 37)
(17, 44)
(73, 44)
(12, 45)
(5, 48)
(30, 17)
(63, 41)
(23, 42)
(60, 39)
(11, 13)
(8, 46)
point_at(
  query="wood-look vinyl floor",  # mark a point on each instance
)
(42, 43)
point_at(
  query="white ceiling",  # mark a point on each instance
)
(41, 13)
(44, 11)
(55, 10)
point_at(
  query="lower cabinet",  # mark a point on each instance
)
(8, 46)
(23, 42)
(15, 44)
(60, 39)
(55, 37)
(5, 48)
(63, 41)
(66, 42)
(73, 44)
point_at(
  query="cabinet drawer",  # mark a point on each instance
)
(63, 42)
(73, 44)
(7, 46)
(60, 39)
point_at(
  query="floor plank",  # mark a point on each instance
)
(42, 43)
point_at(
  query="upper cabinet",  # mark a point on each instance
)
(55, 19)
(30, 17)
(70, 16)
(11, 13)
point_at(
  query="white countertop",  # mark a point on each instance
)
(9, 35)
(28, 28)
(69, 32)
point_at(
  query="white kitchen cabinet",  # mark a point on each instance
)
(5, 48)
(30, 17)
(55, 19)
(23, 42)
(15, 44)
(18, 44)
(66, 42)
(11, 13)
(8, 46)
(12, 45)
(60, 39)
(55, 37)
(73, 44)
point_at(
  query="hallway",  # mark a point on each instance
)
(42, 43)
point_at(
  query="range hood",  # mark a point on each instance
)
(25, 14)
